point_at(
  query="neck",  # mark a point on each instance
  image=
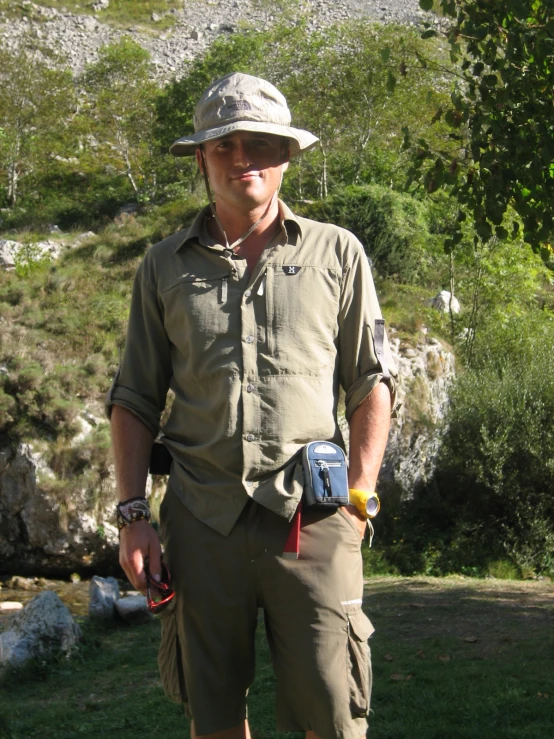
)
(236, 223)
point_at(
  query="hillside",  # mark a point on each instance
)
(172, 32)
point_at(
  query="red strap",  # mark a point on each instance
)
(292, 546)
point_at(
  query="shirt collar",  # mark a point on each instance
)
(198, 232)
(289, 222)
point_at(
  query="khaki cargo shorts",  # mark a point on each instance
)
(316, 629)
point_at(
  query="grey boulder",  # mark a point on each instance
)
(42, 627)
(103, 595)
(133, 609)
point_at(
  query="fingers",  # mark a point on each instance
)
(139, 542)
(136, 567)
(155, 558)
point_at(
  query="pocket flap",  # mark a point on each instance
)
(360, 625)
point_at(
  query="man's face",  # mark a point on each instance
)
(245, 168)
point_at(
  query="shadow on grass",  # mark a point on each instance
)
(452, 659)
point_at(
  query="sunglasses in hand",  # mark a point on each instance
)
(159, 593)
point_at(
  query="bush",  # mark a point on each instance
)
(392, 227)
(495, 471)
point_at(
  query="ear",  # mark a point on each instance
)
(199, 159)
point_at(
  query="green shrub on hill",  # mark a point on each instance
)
(496, 467)
(392, 226)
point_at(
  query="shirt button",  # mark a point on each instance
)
(247, 293)
(250, 437)
(250, 339)
(248, 483)
(250, 388)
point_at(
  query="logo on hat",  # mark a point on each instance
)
(239, 105)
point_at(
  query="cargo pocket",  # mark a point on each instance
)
(359, 631)
(170, 660)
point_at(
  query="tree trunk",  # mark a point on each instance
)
(13, 173)
(124, 151)
(323, 179)
(129, 171)
(452, 327)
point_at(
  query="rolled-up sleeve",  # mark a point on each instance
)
(144, 376)
(360, 367)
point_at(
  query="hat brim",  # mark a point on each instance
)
(300, 140)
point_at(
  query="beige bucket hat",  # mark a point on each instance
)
(240, 102)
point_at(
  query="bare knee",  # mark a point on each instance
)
(242, 731)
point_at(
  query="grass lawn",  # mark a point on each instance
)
(454, 658)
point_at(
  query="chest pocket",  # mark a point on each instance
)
(198, 314)
(302, 316)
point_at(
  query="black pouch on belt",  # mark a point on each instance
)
(325, 475)
(160, 459)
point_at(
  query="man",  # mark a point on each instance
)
(254, 318)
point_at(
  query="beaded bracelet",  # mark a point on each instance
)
(129, 511)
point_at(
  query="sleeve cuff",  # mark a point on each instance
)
(363, 387)
(132, 401)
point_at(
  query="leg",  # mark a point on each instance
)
(237, 732)
(313, 735)
(215, 616)
(317, 630)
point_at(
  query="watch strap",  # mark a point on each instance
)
(368, 504)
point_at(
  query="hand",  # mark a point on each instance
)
(139, 542)
(357, 519)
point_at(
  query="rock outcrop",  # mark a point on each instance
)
(12, 252)
(426, 370)
(44, 531)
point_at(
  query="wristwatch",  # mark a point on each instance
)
(368, 504)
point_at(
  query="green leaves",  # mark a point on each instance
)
(502, 110)
(426, 4)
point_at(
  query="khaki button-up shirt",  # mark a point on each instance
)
(255, 361)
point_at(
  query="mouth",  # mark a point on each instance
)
(245, 176)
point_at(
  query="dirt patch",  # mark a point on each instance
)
(486, 613)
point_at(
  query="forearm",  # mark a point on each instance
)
(132, 446)
(369, 430)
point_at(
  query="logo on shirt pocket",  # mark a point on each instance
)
(291, 269)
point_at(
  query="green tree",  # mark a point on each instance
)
(342, 84)
(35, 109)
(119, 115)
(501, 114)
(498, 284)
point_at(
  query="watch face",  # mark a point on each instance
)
(372, 506)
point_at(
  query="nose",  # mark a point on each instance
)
(242, 156)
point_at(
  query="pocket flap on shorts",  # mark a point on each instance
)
(360, 625)
(170, 661)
